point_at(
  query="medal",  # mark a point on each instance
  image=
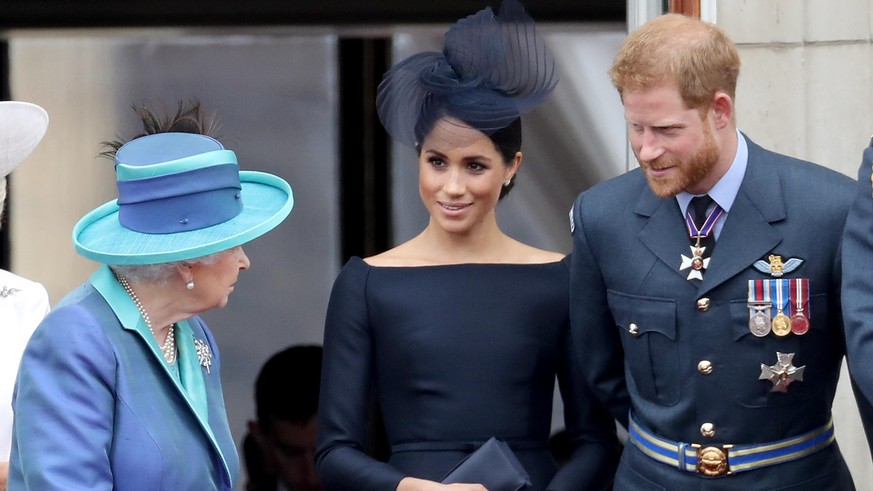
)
(759, 308)
(799, 324)
(781, 322)
(783, 373)
(799, 298)
(698, 262)
(781, 325)
(759, 324)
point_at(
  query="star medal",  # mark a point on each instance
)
(783, 373)
(759, 308)
(779, 295)
(204, 354)
(698, 262)
(799, 299)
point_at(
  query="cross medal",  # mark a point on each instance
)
(697, 262)
(783, 373)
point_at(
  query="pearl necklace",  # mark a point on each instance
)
(169, 346)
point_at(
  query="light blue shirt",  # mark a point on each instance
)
(724, 192)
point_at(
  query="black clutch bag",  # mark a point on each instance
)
(492, 465)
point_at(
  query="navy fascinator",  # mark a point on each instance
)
(493, 69)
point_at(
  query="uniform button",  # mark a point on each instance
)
(633, 329)
(704, 367)
(703, 304)
(707, 430)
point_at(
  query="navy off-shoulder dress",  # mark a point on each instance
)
(456, 354)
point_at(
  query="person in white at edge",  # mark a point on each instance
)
(23, 303)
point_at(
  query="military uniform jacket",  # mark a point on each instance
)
(642, 328)
(858, 289)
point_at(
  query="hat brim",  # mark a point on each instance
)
(267, 200)
(22, 126)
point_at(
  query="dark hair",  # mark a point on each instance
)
(287, 386)
(506, 140)
(189, 118)
(508, 143)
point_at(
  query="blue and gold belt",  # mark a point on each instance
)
(723, 460)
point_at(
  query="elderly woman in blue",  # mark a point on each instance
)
(119, 386)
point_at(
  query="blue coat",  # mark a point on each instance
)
(645, 333)
(96, 407)
(858, 290)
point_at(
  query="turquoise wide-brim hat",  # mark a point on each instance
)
(181, 196)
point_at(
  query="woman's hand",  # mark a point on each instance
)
(413, 484)
(4, 472)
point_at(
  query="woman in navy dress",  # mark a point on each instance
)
(459, 332)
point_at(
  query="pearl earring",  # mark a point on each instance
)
(190, 284)
(507, 182)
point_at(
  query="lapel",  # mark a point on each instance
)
(216, 419)
(747, 234)
(664, 231)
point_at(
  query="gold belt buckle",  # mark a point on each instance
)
(712, 461)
